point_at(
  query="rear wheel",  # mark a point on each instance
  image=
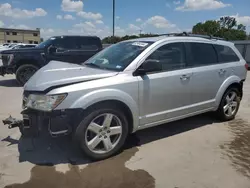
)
(103, 132)
(229, 105)
(25, 72)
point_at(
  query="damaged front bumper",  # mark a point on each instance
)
(56, 123)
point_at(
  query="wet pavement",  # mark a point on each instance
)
(195, 152)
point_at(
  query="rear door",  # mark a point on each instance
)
(206, 79)
(86, 48)
(211, 66)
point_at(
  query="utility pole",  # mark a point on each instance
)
(113, 18)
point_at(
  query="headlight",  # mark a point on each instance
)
(10, 58)
(44, 102)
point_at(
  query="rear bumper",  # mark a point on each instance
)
(56, 123)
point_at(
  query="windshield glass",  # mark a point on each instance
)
(118, 56)
(46, 43)
(12, 45)
(16, 47)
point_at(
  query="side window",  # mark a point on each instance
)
(226, 54)
(201, 54)
(65, 43)
(87, 43)
(248, 53)
(171, 56)
(241, 48)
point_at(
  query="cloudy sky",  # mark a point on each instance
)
(94, 17)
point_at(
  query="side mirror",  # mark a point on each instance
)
(149, 65)
(52, 50)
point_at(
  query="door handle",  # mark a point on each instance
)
(185, 77)
(222, 71)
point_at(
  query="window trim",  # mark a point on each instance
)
(156, 48)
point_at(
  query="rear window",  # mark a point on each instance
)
(201, 54)
(226, 54)
(241, 48)
(88, 43)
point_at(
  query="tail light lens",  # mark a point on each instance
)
(246, 66)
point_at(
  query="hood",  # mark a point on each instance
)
(60, 73)
(21, 50)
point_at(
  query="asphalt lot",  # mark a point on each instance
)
(193, 153)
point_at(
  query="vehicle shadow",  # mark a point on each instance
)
(52, 151)
(9, 83)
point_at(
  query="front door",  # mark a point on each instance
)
(165, 95)
(64, 47)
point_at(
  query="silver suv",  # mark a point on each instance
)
(133, 85)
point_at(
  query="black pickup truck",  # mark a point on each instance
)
(25, 62)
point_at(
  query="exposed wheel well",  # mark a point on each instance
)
(26, 62)
(238, 86)
(115, 103)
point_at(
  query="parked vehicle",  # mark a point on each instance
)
(25, 62)
(244, 48)
(133, 85)
(17, 46)
(4, 45)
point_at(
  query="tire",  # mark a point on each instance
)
(234, 105)
(97, 115)
(25, 72)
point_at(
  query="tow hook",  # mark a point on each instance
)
(12, 122)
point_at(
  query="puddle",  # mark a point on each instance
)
(110, 173)
(238, 150)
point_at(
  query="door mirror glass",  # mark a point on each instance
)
(60, 50)
(149, 65)
(52, 50)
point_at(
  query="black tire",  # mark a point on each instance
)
(92, 114)
(25, 72)
(220, 112)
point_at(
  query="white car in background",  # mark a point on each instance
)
(17, 46)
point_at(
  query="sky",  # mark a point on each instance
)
(94, 17)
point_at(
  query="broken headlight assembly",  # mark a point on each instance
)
(44, 102)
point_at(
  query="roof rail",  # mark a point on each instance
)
(193, 35)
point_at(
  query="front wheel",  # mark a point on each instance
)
(103, 132)
(25, 72)
(229, 105)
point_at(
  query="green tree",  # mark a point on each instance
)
(226, 27)
(111, 40)
(210, 27)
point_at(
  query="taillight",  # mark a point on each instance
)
(246, 66)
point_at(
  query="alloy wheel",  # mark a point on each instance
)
(103, 133)
(26, 74)
(230, 104)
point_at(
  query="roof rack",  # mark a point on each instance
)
(192, 35)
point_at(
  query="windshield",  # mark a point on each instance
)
(118, 56)
(12, 45)
(46, 43)
(16, 47)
